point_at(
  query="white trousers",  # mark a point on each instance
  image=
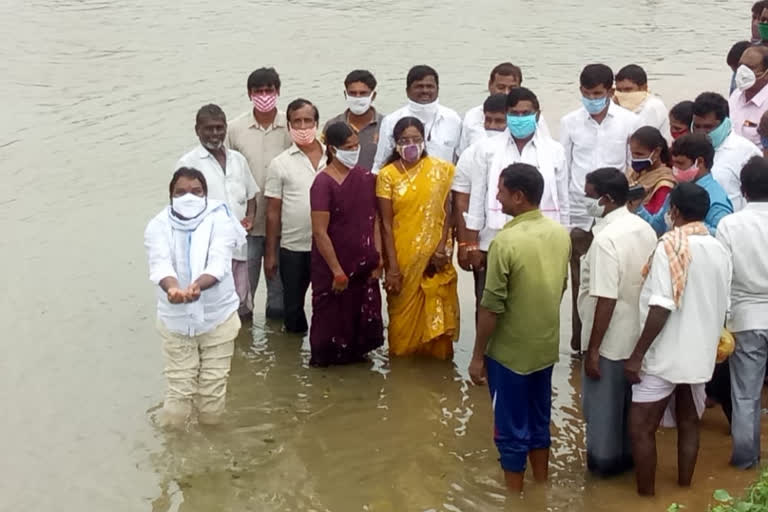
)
(197, 369)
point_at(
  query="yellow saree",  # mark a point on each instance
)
(424, 316)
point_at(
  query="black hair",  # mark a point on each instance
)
(263, 77)
(519, 94)
(711, 102)
(209, 111)
(187, 172)
(596, 74)
(363, 76)
(754, 179)
(757, 8)
(609, 181)
(507, 69)
(400, 127)
(735, 53)
(633, 73)
(336, 135)
(297, 104)
(651, 138)
(495, 103)
(420, 72)
(683, 112)
(694, 146)
(525, 178)
(691, 200)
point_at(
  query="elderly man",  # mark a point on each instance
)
(750, 99)
(230, 181)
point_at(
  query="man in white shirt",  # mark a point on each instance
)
(230, 181)
(521, 142)
(683, 305)
(504, 77)
(442, 126)
(495, 122)
(745, 235)
(632, 93)
(710, 117)
(594, 136)
(611, 279)
(260, 135)
(749, 100)
(289, 226)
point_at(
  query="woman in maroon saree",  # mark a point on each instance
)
(346, 256)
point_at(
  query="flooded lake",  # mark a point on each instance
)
(100, 103)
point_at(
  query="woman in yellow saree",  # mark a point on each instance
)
(413, 194)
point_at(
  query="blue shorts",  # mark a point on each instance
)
(522, 406)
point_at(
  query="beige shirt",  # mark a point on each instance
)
(259, 146)
(613, 269)
(289, 177)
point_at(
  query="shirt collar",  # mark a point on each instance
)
(280, 121)
(758, 99)
(760, 206)
(293, 148)
(612, 217)
(523, 217)
(705, 180)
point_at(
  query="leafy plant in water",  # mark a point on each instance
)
(755, 499)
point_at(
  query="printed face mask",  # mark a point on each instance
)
(303, 137)
(411, 152)
(264, 102)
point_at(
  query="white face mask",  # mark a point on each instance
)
(745, 78)
(491, 133)
(348, 157)
(423, 111)
(594, 209)
(189, 205)
(359, 105)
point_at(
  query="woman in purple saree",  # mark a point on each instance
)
(346, 256)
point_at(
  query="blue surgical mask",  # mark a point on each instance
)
(521, 126)
(594, 105)
(718, 135)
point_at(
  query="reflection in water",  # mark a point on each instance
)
(102, 97)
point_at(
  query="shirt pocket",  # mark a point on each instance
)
(613, 152)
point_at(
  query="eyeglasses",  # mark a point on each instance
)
(410, 140)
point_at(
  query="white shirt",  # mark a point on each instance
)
(730, 158)
(613, 269)
(473, 128)
(653, 112)
(684, 351)
(477, 163)
(590, 145)
(235, 187)
(745, 235)
(745, 115)
(163, 248)
(289, 177)
(442, 137)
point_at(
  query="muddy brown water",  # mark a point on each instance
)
(100, 102)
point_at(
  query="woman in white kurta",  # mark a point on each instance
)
(189, 245)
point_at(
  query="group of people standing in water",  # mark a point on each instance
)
(371, 198)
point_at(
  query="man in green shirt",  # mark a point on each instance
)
(518, 328)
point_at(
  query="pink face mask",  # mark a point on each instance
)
(264, 102)
(304, 137)
(684, 175)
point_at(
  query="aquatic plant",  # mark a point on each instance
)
(755, 499)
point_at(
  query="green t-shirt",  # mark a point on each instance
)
(525, 279)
